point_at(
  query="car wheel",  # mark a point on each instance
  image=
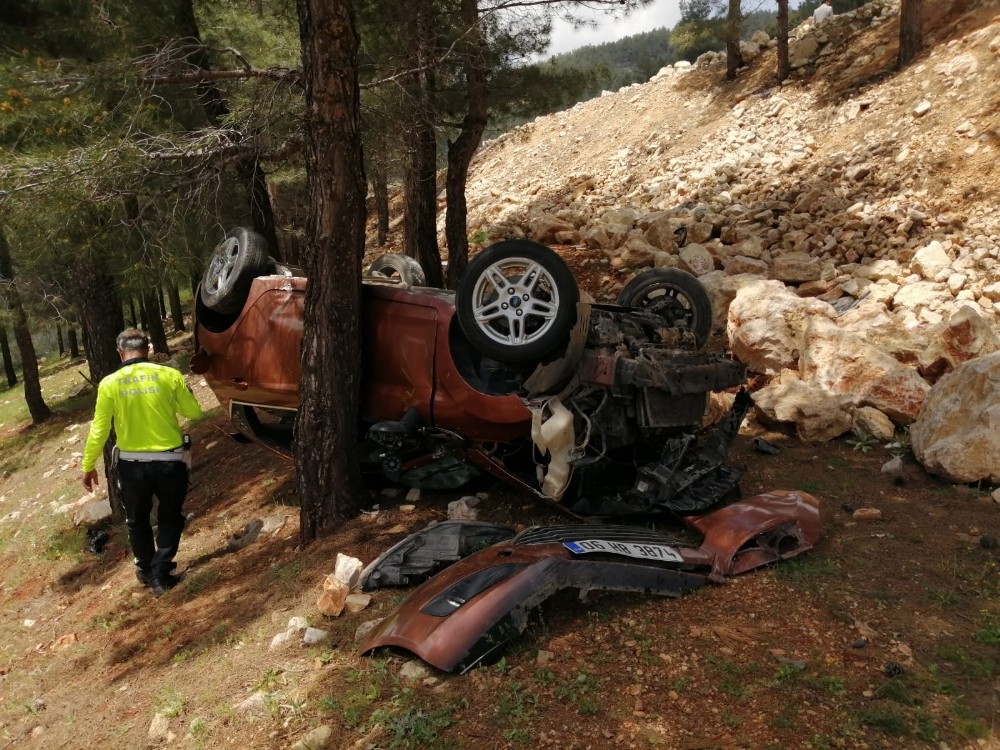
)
(402, 267)
(674, 295)
(516, 301)
(233, 265)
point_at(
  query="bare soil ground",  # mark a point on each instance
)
(887, 635)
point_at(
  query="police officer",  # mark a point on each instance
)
(143, 399)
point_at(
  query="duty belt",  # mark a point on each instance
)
(177, 454)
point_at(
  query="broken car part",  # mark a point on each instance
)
(466, 615)
(425, 552)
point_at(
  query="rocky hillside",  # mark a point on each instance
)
(845, 223)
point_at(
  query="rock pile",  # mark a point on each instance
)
(848, 242)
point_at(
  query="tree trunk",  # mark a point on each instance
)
(144, 323)
(784, 67)
(157, 336)
(911, 33)
(59, 339)
(74, 346)
(8, 361)
(161, 302)
(421, 185)
(37, 407)
(733, 22)
(461, 151)
(135, 322)
(380, 187)
(328, 470)
(176, 309)
(101, 314)
(261, 210)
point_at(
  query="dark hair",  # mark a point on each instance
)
(132, 340)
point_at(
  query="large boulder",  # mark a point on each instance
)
(965, 335)
(768, 325)
(816, 415)
(839, 361)
(957, 435)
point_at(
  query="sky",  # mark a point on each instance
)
(654, 16)
(659, 14)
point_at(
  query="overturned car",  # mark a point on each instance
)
(595, 407)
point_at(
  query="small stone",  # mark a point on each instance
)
(159, 727)
(408, 508)
(255, 705)
(317, 739)
(282, 638)
(273, 524)
(859, 643)
(414, 670)
(297, 623)
(922, 109)
(413, 496)
(893, 467)
(355, 603)
(544, 657)
(988, 542)
(365, 628)
(312, 636)
(867, 514)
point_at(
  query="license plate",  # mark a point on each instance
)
(629, 549)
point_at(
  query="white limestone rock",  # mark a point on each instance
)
(957, 434)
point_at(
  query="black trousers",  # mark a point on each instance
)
(139, 481)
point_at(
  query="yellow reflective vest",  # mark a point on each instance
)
(143, 399)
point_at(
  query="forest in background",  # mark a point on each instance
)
(132, 134)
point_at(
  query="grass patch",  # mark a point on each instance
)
(65, 542)
(198, 582)
(989, 635)
(169, 703)
(354, 703)
(886, 721)
(285, 573)
(409, 726)
(967, 666)
(806, 570)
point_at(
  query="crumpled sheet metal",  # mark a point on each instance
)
(466, 615)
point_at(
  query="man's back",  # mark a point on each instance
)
(822, 12)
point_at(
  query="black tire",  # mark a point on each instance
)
(234, 264)
(674, 295)
(516, 301)
(403, 267)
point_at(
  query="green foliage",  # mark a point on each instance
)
(989, 635)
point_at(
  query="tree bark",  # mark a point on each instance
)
(911, 33)
(135, 321)
(421, 183)
(380, 188)
(37, 407)
(74, 346)
(326, 449)
(8, 360)
(784, 67)
(176, 309)
(157, 336)
(734, 20)
(101, 322)
(59, 339)
(461, 151)
(261, 210)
